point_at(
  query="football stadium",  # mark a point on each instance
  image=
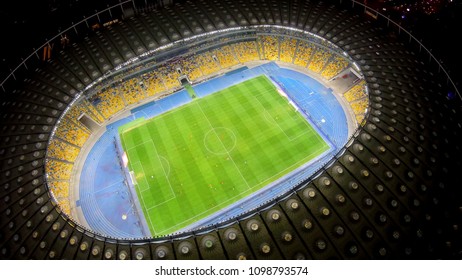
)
(170, 152)
(256, 129)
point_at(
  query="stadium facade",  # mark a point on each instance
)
(389, 193)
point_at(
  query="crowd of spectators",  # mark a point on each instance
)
(304, 52)
(288, 48)
(270, 46)
(357, 97)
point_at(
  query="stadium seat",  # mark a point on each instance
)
(288, 46)
(336, 65)
(303, 54)
(270, 46)
(246, 51)
(319, 60)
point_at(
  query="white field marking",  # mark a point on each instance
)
(215, 153)
(149, 217)
(166, 176)
(274, 122)
(138, 163)
(250, 190)
(172, 193)
(133, 127)
(144, 203)
(163, 169)
(142, 198)
(128, 155)
(223, 146)
(137, 145)
(266, 114)
(168, 165)
(160, 116)
(241, 193)
(158, 204)
(289, 167)
(208, 210)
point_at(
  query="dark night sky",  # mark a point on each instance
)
(25, 24)
(440, 32)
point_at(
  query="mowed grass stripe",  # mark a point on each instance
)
(286, 121)
(223, 115)
(194, 191)
(277, 114)
(244, 137)
(257, 127)
(208, 161)
(160, 219)
(168, 131)
(219, 149)
(254, 133)
(258, 122)
(152, 169)
(211, 173)
(282, 153)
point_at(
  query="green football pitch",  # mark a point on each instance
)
(194, 160)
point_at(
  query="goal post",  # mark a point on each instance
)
(132, 177)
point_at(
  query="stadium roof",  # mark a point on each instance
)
(397, 176)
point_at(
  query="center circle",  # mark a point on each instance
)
(220, 140)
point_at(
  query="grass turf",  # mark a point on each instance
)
(199, 158)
